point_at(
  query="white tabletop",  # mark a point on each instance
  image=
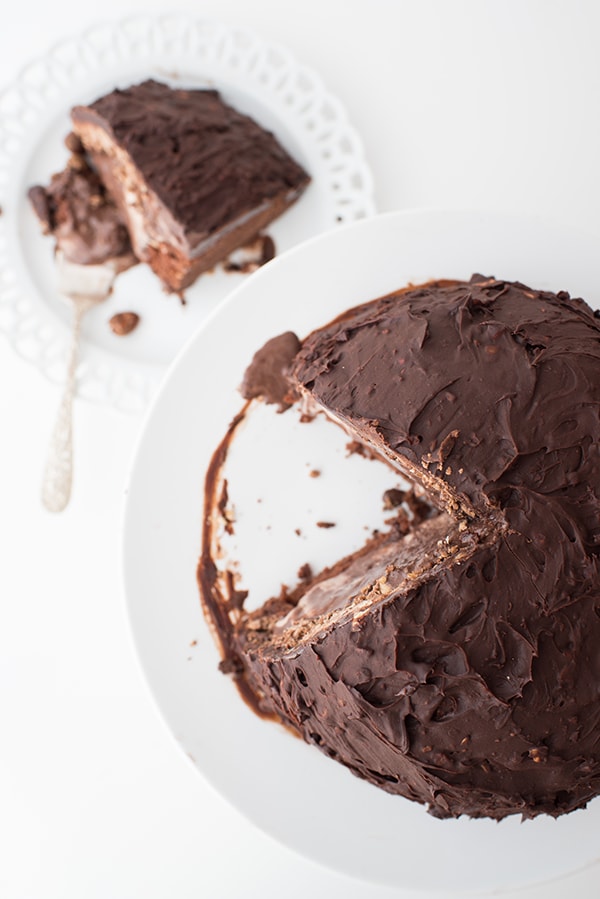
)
(466, 104)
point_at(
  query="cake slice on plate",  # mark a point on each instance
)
(193, 178)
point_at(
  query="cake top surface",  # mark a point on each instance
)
(207, 163)
(490, 386)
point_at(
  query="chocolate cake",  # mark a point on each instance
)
(193, 178)
(85, 222)
(455, 662)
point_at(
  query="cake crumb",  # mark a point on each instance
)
(325, 524)
(305, 572)
(314, 473)
(356, 448)
(194, 643)
(298, 532)
(400, 523)
(231, 666)
(123, 323)
(235, 597)
(393, 498)
(73, 144)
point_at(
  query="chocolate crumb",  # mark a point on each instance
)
(393, 498)
(298, 532)
(124, 323)
(40, 203)
(73, 144)
(356, 448)
(400, 524)
(231, 666)
(305, 572)
(77, 163)
(325, 524)
(235, 597)
(420, 509)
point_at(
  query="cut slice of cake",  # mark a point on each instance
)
(193, 178)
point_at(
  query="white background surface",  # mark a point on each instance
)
(463, 104)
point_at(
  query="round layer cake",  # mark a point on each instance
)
(458, 663)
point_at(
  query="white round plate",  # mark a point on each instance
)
(259, 79)
(286, 787)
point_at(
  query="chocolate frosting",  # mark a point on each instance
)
(266, 376)
(208, 163)
(470, 683)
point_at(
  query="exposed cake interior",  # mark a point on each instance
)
(384, 568)
(418, 543)
(83, 218)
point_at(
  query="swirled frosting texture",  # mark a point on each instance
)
(476, 690)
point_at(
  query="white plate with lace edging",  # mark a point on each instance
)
(259, 79)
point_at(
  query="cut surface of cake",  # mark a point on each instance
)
(81, 216)
(193, 178)
(458, 663)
